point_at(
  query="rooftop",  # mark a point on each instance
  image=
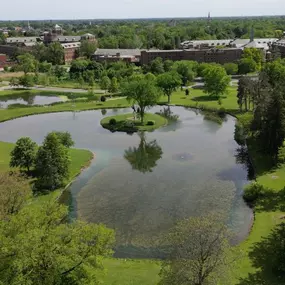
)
(66, 39)
(114, 52)
(21, 40)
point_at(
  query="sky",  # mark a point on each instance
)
(122, 9)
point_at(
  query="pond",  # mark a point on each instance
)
(28, 99)
(141, 184)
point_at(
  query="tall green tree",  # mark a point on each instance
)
(216, 80)
(87, 48)
(272, 133)
(105, 83)
(114, 86)
(185, 69)
(55, 53)
(38, 247)
(24, 153)
(65, 138)
(142, 92)
(52, 163)
(168, 83)
(27, 62)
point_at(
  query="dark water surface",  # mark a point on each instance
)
(28, 99)
(140, 185)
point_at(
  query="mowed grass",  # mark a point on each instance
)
(5, 150)
(122, 120)
(130, 272)
(198, 99)
(8, 114)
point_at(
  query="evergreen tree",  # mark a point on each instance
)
(52, 163)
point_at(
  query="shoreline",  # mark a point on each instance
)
(84, 167)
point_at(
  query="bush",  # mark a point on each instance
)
(103, 99)
(253, 192)
(222, 112)
(112, 122)
(213, 117)
(150, 123)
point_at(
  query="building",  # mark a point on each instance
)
(70, 51)
(281, 47)
(22, 41)
(264, 43)
(217, 55)
(113, 55)
(3, 60)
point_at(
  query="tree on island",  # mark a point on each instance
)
(142, 92)
(52, 163)
(24, 153)
(216, 80)
(145, 156)
(168, 82)
(198, 252)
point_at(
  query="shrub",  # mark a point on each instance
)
(253, 192)
(213, 117)
(222, 112)
(150, 123)
(103, 99)
(112, 122)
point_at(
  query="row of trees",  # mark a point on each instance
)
(266, 97)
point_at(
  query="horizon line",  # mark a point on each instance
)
(142, 18)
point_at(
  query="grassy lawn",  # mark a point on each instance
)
(123, 123)
(130, 272)
(8, 114)
(23, 91)
(197, 98)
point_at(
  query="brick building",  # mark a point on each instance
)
(3, 60)
(70, 51)
(221, 56)
(113, 55)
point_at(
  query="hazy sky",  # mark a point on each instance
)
(98, 9)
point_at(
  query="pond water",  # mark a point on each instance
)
(141, 184)
(28, 99)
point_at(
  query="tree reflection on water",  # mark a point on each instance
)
(144, 157)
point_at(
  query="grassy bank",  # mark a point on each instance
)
(126, 123)
(127, 272)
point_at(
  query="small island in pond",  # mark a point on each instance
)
(130, 123)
